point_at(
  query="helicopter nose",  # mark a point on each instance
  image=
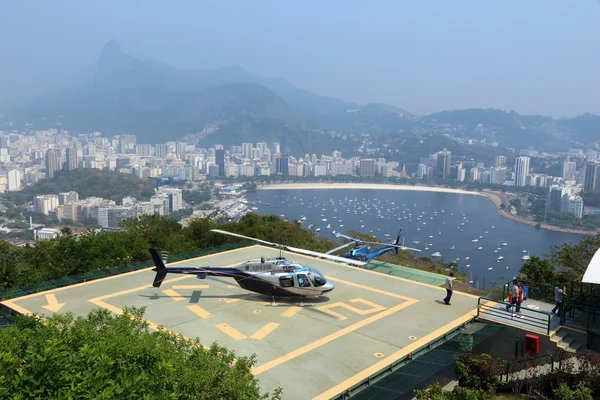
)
(328, 287)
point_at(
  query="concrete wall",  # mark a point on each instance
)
(502, 345)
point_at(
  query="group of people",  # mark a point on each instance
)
(515, 297)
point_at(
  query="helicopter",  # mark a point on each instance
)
(275, 277)
(363, 253)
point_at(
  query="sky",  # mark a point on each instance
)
(533, 56)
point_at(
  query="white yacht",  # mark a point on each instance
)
(525, 257)
(436, 254)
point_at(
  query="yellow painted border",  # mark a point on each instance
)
(384, 363)
(282, 359)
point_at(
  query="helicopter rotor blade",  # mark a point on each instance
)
(295, 249)
(328, 256)
(347, 237)
(248, 237)
(339, 248)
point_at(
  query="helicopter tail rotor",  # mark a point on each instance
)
(161, 270)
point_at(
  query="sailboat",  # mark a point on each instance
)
(526, 257)
(416, 241)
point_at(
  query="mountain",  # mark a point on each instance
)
(126, 94)
(123, 93)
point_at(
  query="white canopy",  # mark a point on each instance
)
(592, 273)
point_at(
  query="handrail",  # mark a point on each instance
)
(531, 363)
(541, 322)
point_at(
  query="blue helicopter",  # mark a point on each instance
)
(362, 252)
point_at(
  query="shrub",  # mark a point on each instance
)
(478, 371)
(435, 392)
(579, 393)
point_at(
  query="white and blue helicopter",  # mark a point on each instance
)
(275, 277)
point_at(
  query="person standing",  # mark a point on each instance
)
(516, 297)
(449, 288)
(558, 298)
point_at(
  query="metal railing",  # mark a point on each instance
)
(535, 290)
(516, 366)
(94, 275)
(488, 309)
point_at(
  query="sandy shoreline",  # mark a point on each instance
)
(494, 198)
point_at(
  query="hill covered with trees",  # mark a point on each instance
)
(87, 182)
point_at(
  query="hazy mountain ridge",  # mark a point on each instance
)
(127, 94)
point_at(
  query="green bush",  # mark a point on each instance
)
(478, 371)
(103, 356)
(563, 392)
(435, 392)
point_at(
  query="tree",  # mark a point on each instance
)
(103, 356)
(563, 392)
(538, 270)
(574, 259)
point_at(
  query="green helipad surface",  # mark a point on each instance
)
(370, 320)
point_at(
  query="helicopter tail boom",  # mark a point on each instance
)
(398, 241)
(161, 270)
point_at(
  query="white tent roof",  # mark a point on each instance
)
(592, 273)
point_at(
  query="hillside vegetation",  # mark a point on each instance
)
(94, 251)
(87, 182)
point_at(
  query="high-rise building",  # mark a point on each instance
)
(421, 171)
(367, 167)
(474, 174)
(591, 182)
(52, 162)
(497, 175)
(521, 171)
(14, 180)
(281, 164)
(500, 161)
(220, 160)
(247, 150)
(443, 165)
(568, 170)
(71, 159)
(161, 150)
(555, 195)
(68, 197)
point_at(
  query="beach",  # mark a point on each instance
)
(492, 196)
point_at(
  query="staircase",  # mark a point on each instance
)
(565, 340)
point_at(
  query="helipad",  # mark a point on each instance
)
(316, 351)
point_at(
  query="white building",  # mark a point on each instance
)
(45, 203)
(47, 233)
(521, 171)
(14, 180)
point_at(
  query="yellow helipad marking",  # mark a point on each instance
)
(173, 294)
(199, 311)
(53, 304)
(191, 286)
(290, 312)
(327, 308)
(385, 362)
(231, 332)
(329, 338)
(264, 331)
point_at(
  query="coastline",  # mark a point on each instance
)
(492, 196)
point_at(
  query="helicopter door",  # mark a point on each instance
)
(303, 280)
(286, 281)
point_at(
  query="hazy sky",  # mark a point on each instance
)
(532, 56)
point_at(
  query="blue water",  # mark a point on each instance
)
(450, 219)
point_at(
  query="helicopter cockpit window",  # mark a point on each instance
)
(316, 277)
(286, 281)
(303, 280)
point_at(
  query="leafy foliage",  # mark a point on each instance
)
(478, 371)
(87, 182)
(435, 392)
(103, 356)
(579, 393)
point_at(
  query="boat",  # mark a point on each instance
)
(479, 248)
(324, 219)
(452, 247)
(525, 257)
(318, 230)
(490, 268)
(475, 240)
(416, 241)
(500, 258)
(328, 226)
(504, 244)
(436, 254)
